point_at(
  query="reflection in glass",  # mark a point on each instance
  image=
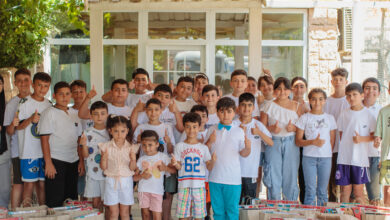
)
(282, 26)
(227, 59)
(69, 62)
(172, 64)
(177, 25)
(283, 61)
(232, 26)
(120, 25)
(119, 63)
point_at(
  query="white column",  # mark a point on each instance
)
(357, 40)
(255, 35)
(96, 51)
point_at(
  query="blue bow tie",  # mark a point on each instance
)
(220, 126)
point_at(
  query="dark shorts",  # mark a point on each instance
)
(170, 183)
(248, 187)
(17, 174)
(348, 174)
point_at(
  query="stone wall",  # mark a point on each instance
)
(322, 47)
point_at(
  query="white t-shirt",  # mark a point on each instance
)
(317, 124)
(335, 106)
(372, 151)
(213, 120)
(185, 107)
(85, 124)
(228, 144)
(9, 114)
(248, 164)
(256, 111)
(159, 129)
(283, 115)
(123, 111)
(154, 184)
(133, 99)
(350, 122)
(28, 138)
(193, 158)
(94, 137)
(64, 131)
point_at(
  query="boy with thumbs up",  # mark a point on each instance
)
(319, 130)
(30, 152)
(356, 127)
(256, 132)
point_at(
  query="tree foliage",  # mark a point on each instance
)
(26, 24)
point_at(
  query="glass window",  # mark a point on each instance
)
(119, 63)
(70, 62)
(283, 61)
(64, 29)
(227, 59)
(171, 64)
(281, 26)
(177, 25)
(232, 26)
(120, 25)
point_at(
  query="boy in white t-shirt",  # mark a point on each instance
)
(371, 90)
(184, 88)
(319, 130)
(200, 81)
(119, 92)
(30, 153)
(11, 121)
(239, 83)
(142, 86)
(191, 159)
(256, 133)
(60, 133)
(210, 97)
(94, 186)
(335, 104)
(229, 142)
(356, 126)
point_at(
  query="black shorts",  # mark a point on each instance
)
(17, 175)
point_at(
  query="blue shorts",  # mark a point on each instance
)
(348, 174)
(32, 170)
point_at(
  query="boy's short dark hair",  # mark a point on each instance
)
(267, 78)
(208, 88)
(42, 76)
(22, 71)
(60, 85)
(119, 81)
(140, 71)
(340, 72)
(201, 76)
(353, 87)
(153, 101)
(98, 105)
(226, 103)
(372, 80)
(79, 83)
(315, 91)
(284, 81)
(238, 72)
(298, 78)
(191, 117)
(163, 88)
(200, 108)
(246, 97)
(185, 79)
(252, 78)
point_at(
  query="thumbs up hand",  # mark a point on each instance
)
(173, 160)
(214, 156)
(139, 107)
(131, 84)
(167, 140)
(275, 128)
(318, 142)
(15, 121)
(83, 140)
(92, 93)
(357, 138)
(35, 117)
(290, 127)
(256, 130)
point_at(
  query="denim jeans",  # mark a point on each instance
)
(281, 169)
(373, 187)
(317, 172)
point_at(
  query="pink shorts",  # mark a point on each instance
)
(150, 201)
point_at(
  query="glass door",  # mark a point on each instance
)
(171, 62)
